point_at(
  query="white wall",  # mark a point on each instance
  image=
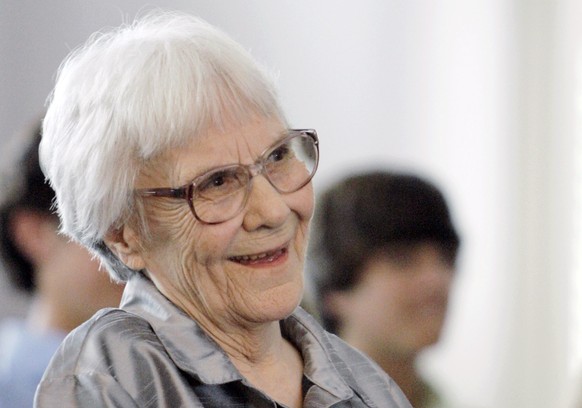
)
(429, 86)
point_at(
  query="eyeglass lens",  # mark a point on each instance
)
(219, 195)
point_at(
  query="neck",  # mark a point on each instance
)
(266, 359)
(247, 346)
(257, 349)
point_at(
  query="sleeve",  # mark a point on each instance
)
(82, 391)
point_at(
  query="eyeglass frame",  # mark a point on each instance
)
(186, 192)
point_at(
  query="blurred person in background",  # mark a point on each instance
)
(384, 247)
(65, 284)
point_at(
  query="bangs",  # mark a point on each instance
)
(182, 94)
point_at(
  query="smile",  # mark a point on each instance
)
(267, 257)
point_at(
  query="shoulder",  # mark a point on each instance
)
(109, 324)
(358, 371)
(339, 352)
(367, 378)
(361, 366)
(97, 363)
(111, 335)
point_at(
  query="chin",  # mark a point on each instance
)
(280, 306)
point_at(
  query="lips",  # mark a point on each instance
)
(262, 258)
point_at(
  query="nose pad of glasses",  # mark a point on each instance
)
(256, 169)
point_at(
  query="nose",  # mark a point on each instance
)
(265, 207)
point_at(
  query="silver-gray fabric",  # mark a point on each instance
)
(149, 353)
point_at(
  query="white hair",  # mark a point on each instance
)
(130, 94)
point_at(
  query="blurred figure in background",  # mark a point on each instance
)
(65, 284)
(385, 249)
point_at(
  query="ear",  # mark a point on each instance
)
(33, 233)
(124, 242)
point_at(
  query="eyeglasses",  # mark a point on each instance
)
(221, 193)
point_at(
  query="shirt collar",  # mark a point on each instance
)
(322, 366)
(193, 351)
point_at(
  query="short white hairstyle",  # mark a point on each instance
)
(130, 94)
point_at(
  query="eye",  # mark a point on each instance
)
(280, 153)
(220, 183)
(213, 180)
(217, 180)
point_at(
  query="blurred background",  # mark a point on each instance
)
(483, 97)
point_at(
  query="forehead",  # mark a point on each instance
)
(219, 145)
(214, 148)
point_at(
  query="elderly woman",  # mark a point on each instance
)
(173, 162)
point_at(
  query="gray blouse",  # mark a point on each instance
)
(149, 353)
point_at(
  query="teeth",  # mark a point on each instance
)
(247, 258)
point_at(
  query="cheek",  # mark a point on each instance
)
(169, 246)
(303, 204)
(177, 238)
(168, 223)
(92, 286)
(446, 282)
(408, 294)
(309, 201)
(386, 299)
(209, 244)
(75, 260)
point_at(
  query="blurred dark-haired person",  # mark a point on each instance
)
(385, 249)
(64, 283)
